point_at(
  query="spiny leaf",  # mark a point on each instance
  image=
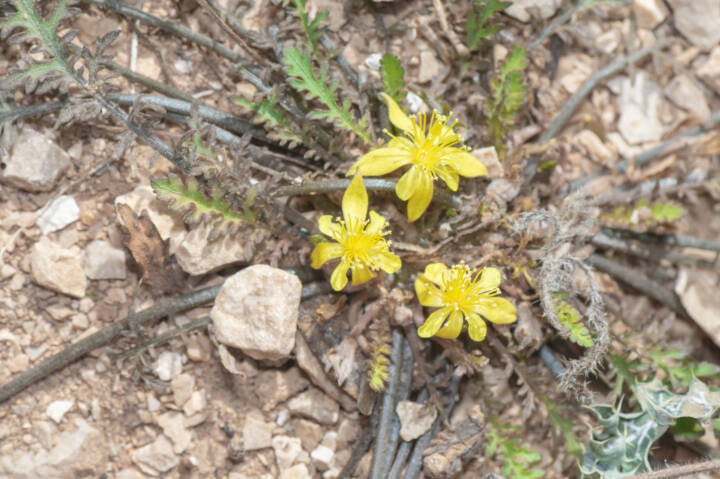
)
(302, 77)
(570, 318)
(197, 208)
(392, 73)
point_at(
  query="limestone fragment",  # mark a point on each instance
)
(35, 162)
(257, 433)
(314, 404)
(197, 255)
(57, 268)
(298, 471)
(104, 261)
(524, 10)
(288, 450)
(156, 457)
(276, 386)
(638, 103)
(57, 409)
(687, 95)
(595, 146)
(415, 419)
(182, 387)
(58, 214)
(322, 457)
(709, 69)
(173, 426)
(168, 365)
(649, 13)
(257, 310)
(698, 21)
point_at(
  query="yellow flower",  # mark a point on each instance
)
(430, 146)
(360, 244)
(461, 293)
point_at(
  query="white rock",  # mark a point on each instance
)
(257, 310)
(698, 21)
(314, 404)
(298, 471)
(196, 404)
(488, 157)
(709, 69)
(373, 61)
(182, 387)
(649, 13)
(638, 104)
(58, 214)
(156, 457)
(415, 103)
(196, 255)
(152, 403)
(183, 66)
(57, 409)
(104, 261)
(35, 162)
(129, 473)
(82, 452)
(596, 148)
(257, 434)
(415, 419)
(168, 365)
(687, 95)
(322, 457)
(524, 10)
(287, 451)
(57, 268)
(330, 440)
(173, 426)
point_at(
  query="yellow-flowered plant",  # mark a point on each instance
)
(461, 293)
(359, 243)
(433, 149)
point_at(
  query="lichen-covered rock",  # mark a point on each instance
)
(35, 162)
(257, 310)
(57, 268)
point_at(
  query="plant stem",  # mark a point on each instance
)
(680, 471)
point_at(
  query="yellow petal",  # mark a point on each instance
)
(397, 116)
(434, 272)
(338, 279)
(449, 176)
(381, 161)
(327, 226)
(388, 262)
(496, 310)
(324, 252)
(433, 323)
(408, 183)
(477, 329)
(464, 163)
(453, 327)
(377, 223)
(361, 274)
(489, 279)
(427, 293)
(355, 200)
(420, 200)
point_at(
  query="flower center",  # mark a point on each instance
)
(359, 246)
(461, 288)
(430, 137)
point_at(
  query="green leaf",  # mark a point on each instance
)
(686, 429)
(564, 426)
(570, 318)
(392, 73)
(508, 96)
(197, 208)
(302, 77)
(268, 112)
(666, 212)
(475, 27)
(516, 458)
(311, 28)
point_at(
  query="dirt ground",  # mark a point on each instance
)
(174, 410)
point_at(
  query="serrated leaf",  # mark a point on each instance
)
(197, 208)
(268, 112)
(392, 73)
(516, 458)
(666, 212)
(508, 97)
(311, 28)
(475, 29)
(570, 318)
(302, 77)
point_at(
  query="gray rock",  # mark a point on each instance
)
(58, 214)
(314, 404)
(104, 261)
(156, 457)
(698, 21)
(57, 268)
(415, 419)
(524, 10)
(35, 162)
(257, 310)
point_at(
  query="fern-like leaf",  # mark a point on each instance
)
(475, 27)
(508, 96)
(198, 208)
(268, 112)
(392, 73)
(310, 27)
(517, 458)
(378, 369)
(302, 77)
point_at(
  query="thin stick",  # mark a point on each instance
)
(161, 338)
(370, 184)
(638, 281)
(666, 239)
(680, 471)
(362, 444)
